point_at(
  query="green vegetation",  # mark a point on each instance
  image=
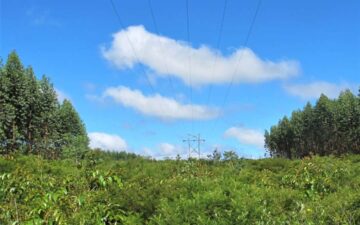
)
(101, 190)
(330, 127)
(32, 121)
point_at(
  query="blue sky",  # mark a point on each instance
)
(296, 50)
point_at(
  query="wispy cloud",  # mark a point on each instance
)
(168, 149)
(165, 150)
(169, 57)
(246, 136)
(104, 141)
(41, 17)
(315, 89)
(159, 106)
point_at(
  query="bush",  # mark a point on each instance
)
(319, 190)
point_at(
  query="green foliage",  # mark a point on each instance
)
(12, 103)
(331, 127)
(318, 190)
(230, 156)
(215, 156)
(71, 131)
(31, 119)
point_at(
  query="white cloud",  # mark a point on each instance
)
(315, 89)
(165, 150)
(61, 96)
(246, 136)
(106, 141)
(169, 57)
(159, 106)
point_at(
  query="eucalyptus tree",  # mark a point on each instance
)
(49, 140)
(12, 103)
(330, 127)
(33, 115)
(72, 130)
(31, 118)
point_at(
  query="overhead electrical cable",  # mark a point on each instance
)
(130, 43)
(158, 33)
(217, 47)
(242, 53)
(189, 75)
(247, 37)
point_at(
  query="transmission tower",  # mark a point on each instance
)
(194, 139)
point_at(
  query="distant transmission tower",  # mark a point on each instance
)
(190, 140)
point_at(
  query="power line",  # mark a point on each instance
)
(130, 43)
(245, 44)
(153, 16)
(242, 53)
(217, 47)
(190, 82)
(158, 33)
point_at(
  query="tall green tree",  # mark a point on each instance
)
(330, 127)
(32, 117)
(48, 142)
(12, 103)
(69, 120)
(2, 114)
(72, 130)
(323, 125)
(348, 119)
(297, 126)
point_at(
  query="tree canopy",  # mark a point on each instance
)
(32, 120)
(330, 127)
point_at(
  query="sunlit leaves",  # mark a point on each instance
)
(138, 191)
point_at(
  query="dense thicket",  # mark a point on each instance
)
(31, 118)
(332, 126)
(98, 190)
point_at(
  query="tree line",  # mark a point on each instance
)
(32, 120)
(330, 127)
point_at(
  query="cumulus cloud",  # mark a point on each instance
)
(159, 106)
(315, 89)
(167, 148)
(106, 141)
(169, 57)
(246, 136)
